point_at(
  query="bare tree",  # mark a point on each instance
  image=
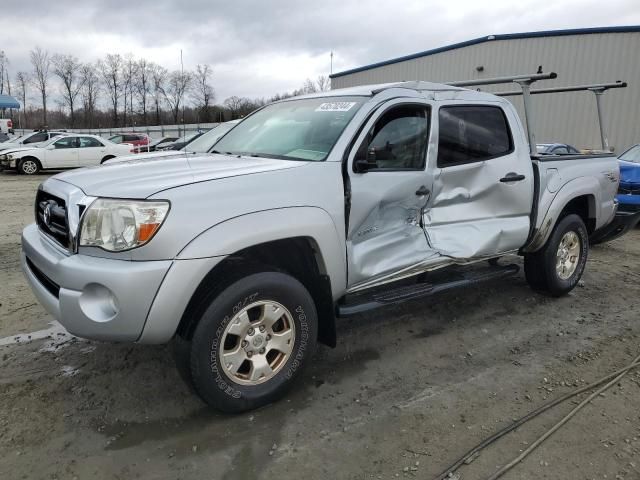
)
(90, 91)
(41, 65)
(67, 68)
(128, 78)
(111, 70)
(174, 91)
(323, 83)
(143, 83)
(22, 80)
(234, 104)
(158, 77)
(308, 87)
(203, 91)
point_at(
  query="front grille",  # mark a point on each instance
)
(627, 189)
(52, 287)
(51, 217)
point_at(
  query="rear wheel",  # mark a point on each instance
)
(558, 266)
(29, 166)
(108, 157)
(251, 342)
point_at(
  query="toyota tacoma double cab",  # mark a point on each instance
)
(310, 209)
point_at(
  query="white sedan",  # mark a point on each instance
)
(67, 151)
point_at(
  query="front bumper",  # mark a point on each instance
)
(97, 298)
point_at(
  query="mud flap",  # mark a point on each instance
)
(621, 224)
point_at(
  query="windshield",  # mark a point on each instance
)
(631, 155)
(204, 143)
(304, 129)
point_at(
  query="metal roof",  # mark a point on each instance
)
(489, 38)
(7, 101)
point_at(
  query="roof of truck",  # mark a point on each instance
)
(443, 92)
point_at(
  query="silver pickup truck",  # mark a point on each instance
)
(311, 208)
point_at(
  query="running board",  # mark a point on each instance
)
(363, 302)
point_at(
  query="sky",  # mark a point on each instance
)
(261, 47)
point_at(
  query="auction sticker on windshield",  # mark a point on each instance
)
(335, 107)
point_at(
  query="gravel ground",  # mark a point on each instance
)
(406, 392)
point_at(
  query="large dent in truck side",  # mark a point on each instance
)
(468, 221)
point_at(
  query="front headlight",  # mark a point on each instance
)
(118, 225)
(3, 157)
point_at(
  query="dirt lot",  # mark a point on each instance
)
(407, 391)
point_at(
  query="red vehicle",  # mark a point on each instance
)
(134, 138)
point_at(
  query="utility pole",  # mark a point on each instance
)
(331, 68)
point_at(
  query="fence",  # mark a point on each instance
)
(152, 131)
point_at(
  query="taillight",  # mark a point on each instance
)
(9, 124)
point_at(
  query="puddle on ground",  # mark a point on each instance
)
(249, 437)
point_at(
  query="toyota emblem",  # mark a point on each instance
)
(46, 216)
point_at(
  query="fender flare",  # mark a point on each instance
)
(578, 187)
(248, 230)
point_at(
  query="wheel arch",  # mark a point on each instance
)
(295, 256)
(580, 196)
(301, 241)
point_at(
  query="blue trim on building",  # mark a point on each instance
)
(491, 38)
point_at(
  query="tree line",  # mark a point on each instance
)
(122, 91)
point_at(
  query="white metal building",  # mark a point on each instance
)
(579, 56)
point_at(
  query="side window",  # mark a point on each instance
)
(86, 142)
(65, 142)
(472, 134)
(398, 141)
(38, 137)
(131, 138)
(560, 151)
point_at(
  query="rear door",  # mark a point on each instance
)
(483, 183)
(90, 151)
(389, 188)
(63, 153)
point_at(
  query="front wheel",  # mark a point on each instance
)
(558, 266)
(251, 342)
(28, 166)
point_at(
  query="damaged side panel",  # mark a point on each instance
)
(473, 214)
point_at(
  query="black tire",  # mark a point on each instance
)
(108, 157)
(540, 267)
(198, 358)
(29, 166)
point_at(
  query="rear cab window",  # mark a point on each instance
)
(472, 133)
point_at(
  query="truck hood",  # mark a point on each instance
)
(142, 178)
(629, 173)
(149, 155)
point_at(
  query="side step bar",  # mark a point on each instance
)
(364, 302)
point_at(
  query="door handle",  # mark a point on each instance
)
(422, 191)
(512, 177)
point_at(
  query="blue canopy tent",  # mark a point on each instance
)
(7, 101)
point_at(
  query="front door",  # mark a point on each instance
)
(389, 189)
(63, 153)
(483, 184)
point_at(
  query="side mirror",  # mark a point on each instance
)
(365, 160)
